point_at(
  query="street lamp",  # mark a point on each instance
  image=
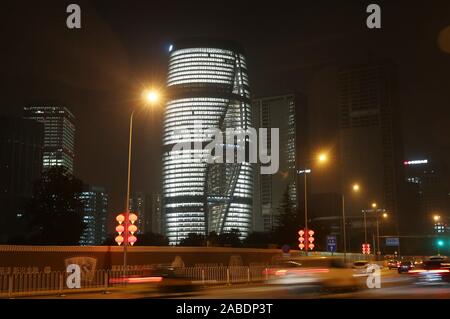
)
(321, 159)
(436, 218)
(355, 188)
(149, 97)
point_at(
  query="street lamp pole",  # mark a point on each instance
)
(344, 229)
(378, 238)
(365, 226)
(306, 208)
(127, 200)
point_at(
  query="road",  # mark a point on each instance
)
(393, 286)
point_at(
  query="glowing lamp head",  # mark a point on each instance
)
(322, 158)
(355, 187)
(132, 240)
(311, 233)
(301, 246)
(132, 218)
(132, 229)
(436, 218)
(301, 232)
(385, 215)
(150, 96)
(120, 218)
(120, 229)
(311, 246)
(374, 205)
(119, 240)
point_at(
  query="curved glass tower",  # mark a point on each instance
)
(208, 88)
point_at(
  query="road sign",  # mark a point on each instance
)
(392, 241)
(331, 243)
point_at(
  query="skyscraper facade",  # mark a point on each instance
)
(370, 138)
(21, 143)
(208, 88)
(59, 134)
(287, 113)
(95, 209)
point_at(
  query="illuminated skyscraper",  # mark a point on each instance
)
(208, 88)
(95, 209)
(59, 134)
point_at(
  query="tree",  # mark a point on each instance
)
(55, 211)
(258, 240)
(152, 239)
(289, 223)
(193, 239)
(231, 239)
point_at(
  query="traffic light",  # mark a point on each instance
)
(440, 243)
(366, 249)
(311, 240)
(301, 239)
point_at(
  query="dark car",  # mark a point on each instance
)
(392, 264)
(405, 266)
(434, 272)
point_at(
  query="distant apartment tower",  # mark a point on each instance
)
(287, 113)
(370, 140)
(95, 210)
(428, 191)
(21, 143)
(209, 89)
(148, 209)
(59, 134)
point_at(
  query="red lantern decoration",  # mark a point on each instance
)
(132, 239)
(126, 229)
(132, 218)
(120, 218)
(119, 240)
(120, 229)
(132, 229)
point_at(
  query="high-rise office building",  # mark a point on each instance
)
(208, 88)
(148, 209)
(428, 191)
(288, 113)
(59, 134)
(21, 143)
(95, 209)
(370, 140)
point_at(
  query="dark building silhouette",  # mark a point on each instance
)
(21, 143)
(288, 113)
(370, 140)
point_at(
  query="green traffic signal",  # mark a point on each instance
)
(440, 243)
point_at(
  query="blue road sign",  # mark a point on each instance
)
(392, 241)
(331, 243)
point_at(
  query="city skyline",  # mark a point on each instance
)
(101, 110)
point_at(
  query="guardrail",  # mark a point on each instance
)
(55, 282)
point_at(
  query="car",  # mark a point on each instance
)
(392, 264)
(405, 266)
(434, 272)
(329, 273)
(164, 278)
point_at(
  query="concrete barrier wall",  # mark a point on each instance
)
(29, 259)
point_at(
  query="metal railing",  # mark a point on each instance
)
(55, 282)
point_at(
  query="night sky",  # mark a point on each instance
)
(100, 70)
